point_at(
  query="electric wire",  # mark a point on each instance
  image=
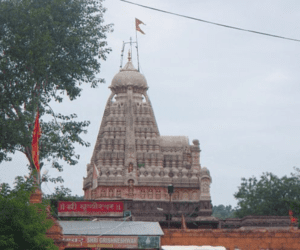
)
(218, 24)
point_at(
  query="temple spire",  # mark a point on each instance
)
(129, 56)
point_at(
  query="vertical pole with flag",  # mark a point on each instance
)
(137, 28)
(35, 148)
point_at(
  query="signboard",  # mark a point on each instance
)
(90, 208)
(123, 242)
(146, 242)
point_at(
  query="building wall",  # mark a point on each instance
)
(256, 221)
(235, 239)
(142, 193)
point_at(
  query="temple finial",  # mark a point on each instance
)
(129, 56)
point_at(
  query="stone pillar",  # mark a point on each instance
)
(55, 232)
(36, 196)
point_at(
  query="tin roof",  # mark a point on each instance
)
(110, 228)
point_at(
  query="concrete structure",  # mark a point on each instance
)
(56, 231)
(137, 164)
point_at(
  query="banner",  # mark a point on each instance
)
(90, 208)
(148, 242)
(123, 242)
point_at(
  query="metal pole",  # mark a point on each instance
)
(137, 51)
(131, 45)
(169, 219)
(122, 55)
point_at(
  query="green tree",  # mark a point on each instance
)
(268, 196)
(223, 212)
(60, 194)
(48, 48)
(23, 225)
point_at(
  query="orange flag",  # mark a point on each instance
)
(35, 142)
(137, 23)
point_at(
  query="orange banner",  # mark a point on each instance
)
(137, 25)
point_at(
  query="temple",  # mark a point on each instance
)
(136, 164)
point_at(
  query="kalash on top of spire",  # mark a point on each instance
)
(136, 163)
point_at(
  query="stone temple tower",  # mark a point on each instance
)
(136, 164)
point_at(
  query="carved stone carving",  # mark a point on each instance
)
(118, 193)
(205, 186)
(111, 193)
(194, 196)
(175, 196)
(143, 194)
(158, 194)
(130, 168)
(185, 196)
(150, 194)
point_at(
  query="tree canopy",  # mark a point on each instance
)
(223, 212)
(48, 48)
(270, 195)
(23, 225)
(61, 193)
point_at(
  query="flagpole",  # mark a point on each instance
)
(37, 176)
(122, 55)
(38, 172)
(137, 51)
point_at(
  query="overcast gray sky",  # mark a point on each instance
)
(237, 92)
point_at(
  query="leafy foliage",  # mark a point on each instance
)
(268, 196)
(48, 48)
(60, 193)
(23, 225)
(223, 212)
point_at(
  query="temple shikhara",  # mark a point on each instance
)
(134, 163)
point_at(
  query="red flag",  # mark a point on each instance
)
(137, 27)
(294, 220)
(35, 142)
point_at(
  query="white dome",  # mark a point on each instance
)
(129, 76)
